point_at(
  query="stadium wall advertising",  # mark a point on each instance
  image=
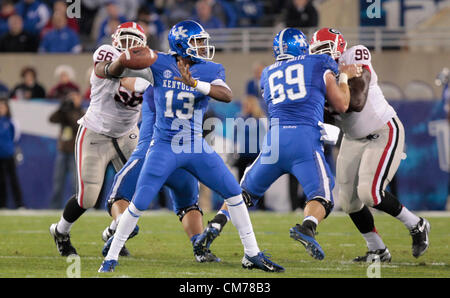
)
(422, 181)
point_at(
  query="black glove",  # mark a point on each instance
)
(247, 199)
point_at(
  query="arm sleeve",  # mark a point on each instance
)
(221, 73)
(145, 73)
(262, 80)
(105, 53)
(330, 64)
(148, 112)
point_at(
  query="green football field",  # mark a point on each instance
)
(163, 250)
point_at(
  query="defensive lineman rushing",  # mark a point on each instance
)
(182, 188)
(180, 101)
(370, 152)
(294, 89)
(108, 132)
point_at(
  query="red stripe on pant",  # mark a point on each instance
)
(380, 165)
(80, 151)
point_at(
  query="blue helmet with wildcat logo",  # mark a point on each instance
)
(188, 39)
(289, 43)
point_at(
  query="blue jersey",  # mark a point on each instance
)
(182, 186)
(294, 89)
(175, 100)
(148, 116)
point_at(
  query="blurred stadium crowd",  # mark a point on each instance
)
(43, 25)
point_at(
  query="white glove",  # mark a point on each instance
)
(330, 133)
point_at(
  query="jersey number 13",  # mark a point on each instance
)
(187, 105)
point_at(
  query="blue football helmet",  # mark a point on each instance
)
(189, 39)
(289, 43)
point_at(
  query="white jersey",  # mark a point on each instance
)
(377, 111)
(107, 113)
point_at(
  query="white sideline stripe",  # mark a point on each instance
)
(331, 263)
(326, 181)
(92, 212)
(120, 178)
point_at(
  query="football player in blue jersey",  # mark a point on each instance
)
(184, 80)
(294, 89)
(182, 188)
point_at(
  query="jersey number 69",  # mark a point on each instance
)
(277, 92)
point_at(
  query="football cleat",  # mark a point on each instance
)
(260, 261)
(108, 266)
(62, 241)
(306, 237)
(419, 235)
(205, 255)
(382, 255)
(124, 252)
(206, 238)
(108, 234)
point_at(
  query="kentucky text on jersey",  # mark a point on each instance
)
(177, 85)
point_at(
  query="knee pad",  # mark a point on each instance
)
(328, 205)
(111, 202)
(183, 211)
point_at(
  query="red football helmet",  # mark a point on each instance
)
(328, 41)
(129, 35)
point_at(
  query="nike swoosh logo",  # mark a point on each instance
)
(268, 266)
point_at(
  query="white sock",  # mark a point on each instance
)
(311, 218)
(114, 223)
(408, 218)
(373, 241)
(64, 226)
(126, 225)
(241, 220)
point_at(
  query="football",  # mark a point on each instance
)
(138, 57)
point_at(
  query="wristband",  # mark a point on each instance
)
(106, 70)
(343, 78)
(202, 87)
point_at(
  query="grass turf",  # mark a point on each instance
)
(162, 249)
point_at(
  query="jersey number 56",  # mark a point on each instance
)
(278, 92)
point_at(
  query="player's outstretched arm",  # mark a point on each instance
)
(338, 95)
(220, 93)
(108, 69)
(359, 88)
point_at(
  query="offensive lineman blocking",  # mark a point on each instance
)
(294, 88)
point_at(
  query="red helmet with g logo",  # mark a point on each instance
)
(129, 35)
(328, 41)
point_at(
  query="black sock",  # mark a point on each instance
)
(389, 204)
(309, 224)
(220, 219)
(72, 211)
(363, 220)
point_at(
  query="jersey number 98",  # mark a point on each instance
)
(278, 92)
